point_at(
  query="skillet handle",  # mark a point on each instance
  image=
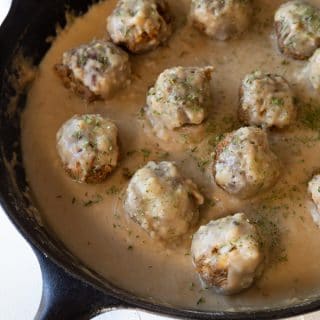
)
(67, 298)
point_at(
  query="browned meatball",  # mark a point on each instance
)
(227, 254)
(244, 164)
(162, 201)
(140, 25)
(221, 20)
(297, 25)
(313, 70)
(95, 70)
(314, 188)
(266, 100)
(88, 149)
(181, 95)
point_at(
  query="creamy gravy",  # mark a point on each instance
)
(90, 219)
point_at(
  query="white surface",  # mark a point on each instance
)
(20, 278)
(4, 7)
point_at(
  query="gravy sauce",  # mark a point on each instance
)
(90, 219)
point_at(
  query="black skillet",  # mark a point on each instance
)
(70, 290)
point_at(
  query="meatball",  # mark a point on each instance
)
(181, 95)
(314, 190)
(227, 254)
(297, 27)
(162, 201)
(244, 164)
(87, 146)
(140, 25)
(266, 100)
(95, 70)
(313, 70)
(221, 20)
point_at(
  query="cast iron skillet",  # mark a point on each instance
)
(70, 290)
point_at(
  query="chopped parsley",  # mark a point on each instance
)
(277, 101)
(210, 202)
(201, 300)
(146, 153)
(96, 199)
(141, 114)
(202, 163)
(112, 190)
(310, 116)
(77, 135)
(126, 173)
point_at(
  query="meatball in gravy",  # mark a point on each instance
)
(95, 70)
(87, 146)
(313, 70)
(180, 96)
(314, 190)
(244, 164)
(227, 254)
(266, 100)
(140, 25)
(221, 20)
(162, 201)
(297, 25)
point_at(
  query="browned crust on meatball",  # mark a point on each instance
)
(208, 73)
(212, 276)
(198, 25)
(93, 176)
(283, 48)
(218, 150)
(222, 145)
(138, 45)
(164, 11)
(243, 115)
(75, 85)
